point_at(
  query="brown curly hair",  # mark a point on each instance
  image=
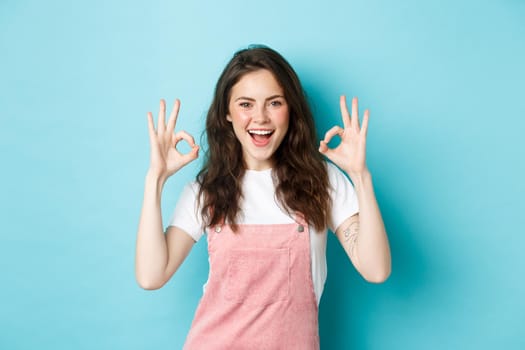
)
(299, 171)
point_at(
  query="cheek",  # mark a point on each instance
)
(240, 119)
(282, 117)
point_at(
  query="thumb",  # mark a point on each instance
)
(191, 155)
(325, 150)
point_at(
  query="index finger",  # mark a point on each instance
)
(173, 116)
(344, 111)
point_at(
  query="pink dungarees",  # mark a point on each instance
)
(260, 293)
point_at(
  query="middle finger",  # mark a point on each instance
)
(344, 111)
(161, 124)
(173, 116)
(355, 114)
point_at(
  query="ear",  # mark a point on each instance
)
(228, 118)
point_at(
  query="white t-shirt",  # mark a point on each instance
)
(259, 206)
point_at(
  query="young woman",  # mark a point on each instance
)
(265, 198)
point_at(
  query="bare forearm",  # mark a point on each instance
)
(151, 251)
(371, 245)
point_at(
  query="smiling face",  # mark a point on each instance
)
(259, 114)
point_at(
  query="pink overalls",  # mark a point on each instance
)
(260, 293)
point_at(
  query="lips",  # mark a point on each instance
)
(260, 137)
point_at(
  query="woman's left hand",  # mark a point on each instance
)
(350, 154)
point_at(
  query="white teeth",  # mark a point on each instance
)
(260, 132)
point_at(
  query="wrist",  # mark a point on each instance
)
(155, 179)
(361, 178)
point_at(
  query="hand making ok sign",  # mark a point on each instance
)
(165, 159)
(350, 154)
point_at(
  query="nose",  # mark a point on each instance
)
(261, 115)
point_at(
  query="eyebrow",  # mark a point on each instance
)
(252, 99)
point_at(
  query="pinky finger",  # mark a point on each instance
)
(151, 126)
(364, 126)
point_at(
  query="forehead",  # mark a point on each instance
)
(260, 83)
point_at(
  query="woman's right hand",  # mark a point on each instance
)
(165, 159)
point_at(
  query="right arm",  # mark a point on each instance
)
(159, 255)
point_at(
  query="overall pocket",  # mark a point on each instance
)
(258, 276)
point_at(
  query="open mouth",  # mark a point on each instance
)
(260, 137)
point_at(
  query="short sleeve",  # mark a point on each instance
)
(186, 215)
(344, 198)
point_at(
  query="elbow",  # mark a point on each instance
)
(148, 283)
(378, 277)
(148, 278)
(148, 286)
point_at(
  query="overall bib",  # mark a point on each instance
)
(260, 292)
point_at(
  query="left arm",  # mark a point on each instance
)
(363, 236)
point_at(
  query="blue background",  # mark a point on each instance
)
(444, 81)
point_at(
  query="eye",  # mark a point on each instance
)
(276, 103)
(245, 104)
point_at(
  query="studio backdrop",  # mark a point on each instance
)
(444, 82)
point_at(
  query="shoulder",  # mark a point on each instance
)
(190, 190)
(331, 168)
(188, 198)
(336, 177)
(186, 214)
(193, 186)
(343, 195)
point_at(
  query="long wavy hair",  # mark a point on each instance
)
(299, 172)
